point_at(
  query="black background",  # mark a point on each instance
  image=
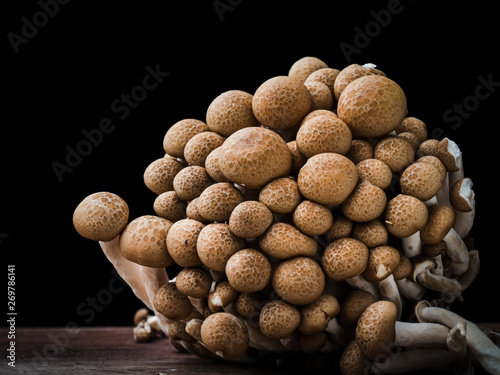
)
(64, 79)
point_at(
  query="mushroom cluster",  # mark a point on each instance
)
(312, 216)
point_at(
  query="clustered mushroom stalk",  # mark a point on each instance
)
(305, 218)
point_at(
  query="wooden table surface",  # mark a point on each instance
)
(112, 350)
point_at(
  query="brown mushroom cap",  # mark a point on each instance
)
(181, 242)
(302, 68)
(344, 258)
(316, 315)
(298, 160)
(411, 138)
(180, 133)
(376, 330)
(159, 175)
(326, 76)
(349, 74)
(101, 216)
(448, 152)
(405, 215)
(225, 335)
(299, 280)
(414, 126)
(194, 282)
(169, 206)
(283, 241)
(281, 102)
(375, 171)
(372, 106)
(278, 319)
(248, 270)
(382, 262)
(438, 164)
(441, 220)
(428, 147)
(404, 268)
(200, 146)
(372, 233)
(192, 212)
(327, 178)
(230, 112)
(222, 295)
(217, 201)
(321, 96)
(341, 227)
(312, 218)
(323, 134)
(317, 112)
(281, 195)
(462, 195)
(216, 244)
(421, 180)
(366, 203)
(190, 182)
(360, 150)
(353, 306)
(250, 219)
(143, 241)
(171, 303)
(212, 165)
(352, 361)
(254, 156)
(248, 306)
(396, 152)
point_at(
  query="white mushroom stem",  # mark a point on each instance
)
(421, 335)
(415, 360)
(468, 277)
(432, 201)
(443, 195)
(439, 269)
(450, 288)
(359, 282)
(457, 344)
(340, 335)
(389, 291)
(260, 341)
(411, 290)
(459, 174)
(483, 349)
(464, 222)
(457, 252)
(412, 245)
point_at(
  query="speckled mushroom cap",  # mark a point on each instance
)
(366, 203)
(192, 212)
(194, 282)
(372, 106)
(375, 172)
(326, 76)
(171, 303)
(438, 164)
(222, 295)
(159, 175)
(360, 150)
(224, 335)
(376, 330)
(394, 151)
(352, 361)
(341, 227)
(414, 126)
(316, 315)
(278, 319)
(382, 262)
(353, 305)
(250, 219)
(298, 160)
(212, 165)
(323, 134)
(248, 270)
(312, 218)
(441, 220)
(190, 182)
(321, 96)
(327, 178)
(200, 146)
(448, 152)
(281, 195)
(169, 206)
(317, 112)
(302, 68)
(254, 156)
(372, 233)
(181, 242)
(231, 111)
(428, 147)
(344, 258)
(404, 268)
(299, 280)
(101, 216)
(143, 241)
(405, 215)
(281, 102)
(248, 306)
(283, 241)
(349, 74)
(216, 244)
(217, 201)
(462, 195)
(421, 180)
(180, 133)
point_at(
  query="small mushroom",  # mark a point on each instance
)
(217, 201)
(421, 180)
(360, 150)
(352, 361)
(394, 151)
(353, 306)
(341, 227)
(248, 270)
(405, 215)
(302, 68)
(316, 315)
(169, 206)
(441, 220)
(212, 165)
(200, 146)
(180, 133)
(457, 252)
(415, 126)
(372, 233)
(449, 153)
(298, 160)
(221, 295)
(250, 219)
(281, 195)
(367, 202)
(312, 218)
(159, 175)
(194, 282)
(462, 199)
(321, 96)
(351, 73)
(375, 171)
(278, 319)
(171, 303)
(284, 241)
(181, 242)
(190, 182)
(326, 76)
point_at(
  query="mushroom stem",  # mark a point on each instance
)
(412, 245)
(443, 195)
(450, 288)
(464, 222)
(340, 335)
(458, 253)
(415, 360)
(457, 344)
(359, 282)
(411, 290)
(261, 342)
(459, 173)
(389, 291)
(474, 265)
(483, 349)
(421, 335)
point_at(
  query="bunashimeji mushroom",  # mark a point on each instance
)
(412, 138)
(299, 280)
(190, 182)
(316, 315)
(169, 206)
(412, 290)
(321, 96)
(312, 218)
(250, 219)
(421, 180)
(194, 282)
(254, 156)
(482, 348)
(414, 126)
(212, 165)
(365, 203)
(462, 199)
(352, 361)
(284, 241)
(278, 319)
(375, 172)
(317, 112)
(372, 106)
(441, 220)
(298, 160)
(248, 270)
(192, 212)
(181, 242)
(378, 332)
(217, 201)
(353, 305)
(360, 150)
(230, 112)
(327, 76)
(458, 253)
(405, 215)
(159, 175)
(351, 73)
(248, 306)
(281, 195)
(302, 68)
(341, 227)
(327, 178)
(372, 233)
(221, 295)
(394, 151)
(200, 146)
(224, 335)
(180, 133)
(171, 303)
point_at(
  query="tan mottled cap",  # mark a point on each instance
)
(283, 241)
(180, 133)
(281, 102)
(375, 171)
(405, 215)
(404, 268)
(181, 242)
(411, 138)
(298, 160)
(462, 195)
(217, 201)
(225, 335)
(299, 280)
(349, 74)
(316, 315)
(327, 178)
(353, 305)
(254, 156)
(372, 106)
(449, 153)
(212, 165)
(248, 306)
(434, 160)
(321, 96)
(360, 150)
(323, 134)
(143, 241)
(341, 227)
(194, 282)
(281, 195)
(326, 76)
(171, 303)
(302, 68)
(441, 220)
(222, 295)
(231, 111)
(278, 319)
(382, 262)
(428, 147)
(394, 151)
(200, 146)
(352, 361)
(344, 258)
(190, 182)
(248, 270)
(372, 233)
(421, 180)
(414, 126)
(192, 212)
(250, 219)
(101, 216)
(366, 203)
(318, 112)
(312, 218)
(169, 206)
(159, 175)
